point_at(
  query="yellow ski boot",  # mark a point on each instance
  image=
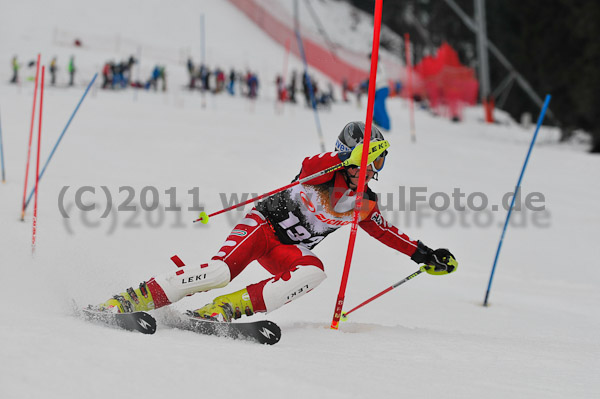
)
(130, 301)
(227, 307)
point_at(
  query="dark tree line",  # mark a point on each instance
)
(554, 44)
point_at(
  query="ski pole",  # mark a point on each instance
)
(415, 274)
(376, 149)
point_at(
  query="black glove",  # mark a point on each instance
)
(442, 260)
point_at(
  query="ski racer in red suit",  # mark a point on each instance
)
(280, 233)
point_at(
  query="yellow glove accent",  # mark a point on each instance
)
(431, 270)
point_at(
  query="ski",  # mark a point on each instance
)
(262, 331)
(136, 321)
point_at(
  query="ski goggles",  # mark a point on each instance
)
(377, 163)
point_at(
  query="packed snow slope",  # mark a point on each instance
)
(428, 338)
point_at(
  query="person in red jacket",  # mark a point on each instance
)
(280, 233)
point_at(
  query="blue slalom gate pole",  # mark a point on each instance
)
(308, 82)
(512, 203)
(61, 136)
(2, 153)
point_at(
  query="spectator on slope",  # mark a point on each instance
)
(345, 89)
(107, 75)
(220, 80)
(330, 93)
(205, 77)
(252, 85)
(281, 89)
(192, 73)
(163, 77)
(153, 81)
(114, 68)
(292, 88)
(53, 72)
(71, 68)
(280, 234)
(361, 88)
(231, 84)
(15, 70)
(127, 70)
(382, 91)
(306, 89)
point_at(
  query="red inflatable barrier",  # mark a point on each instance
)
(446, 83)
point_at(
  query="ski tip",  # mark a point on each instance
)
(271, 332)
(139, 321)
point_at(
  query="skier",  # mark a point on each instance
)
(192, 73)
(231, 84)
(280, 233)
(71, 68)
(107, 75)
(382, 91)
(252, 85)
(53, 71)
(292, 88)
(156, 74)
(15, 69)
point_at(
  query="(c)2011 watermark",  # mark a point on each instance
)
(98, 207)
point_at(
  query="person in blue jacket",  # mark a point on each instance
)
(382, 91)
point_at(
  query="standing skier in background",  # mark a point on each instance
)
(382, 91)
(53, 71)
(71, 69)
(280, 233)
(15, 69)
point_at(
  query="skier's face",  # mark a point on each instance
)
(353, 174)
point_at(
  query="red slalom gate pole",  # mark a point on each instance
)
(37, 73)
(363, 166)
(37, 165)
(413, 135)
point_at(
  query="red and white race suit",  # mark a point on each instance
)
(280, 234)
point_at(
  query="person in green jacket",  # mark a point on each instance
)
(15, 67)
(71, 69)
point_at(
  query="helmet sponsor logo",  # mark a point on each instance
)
(341, 146)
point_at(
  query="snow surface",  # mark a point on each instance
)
(429, 338)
